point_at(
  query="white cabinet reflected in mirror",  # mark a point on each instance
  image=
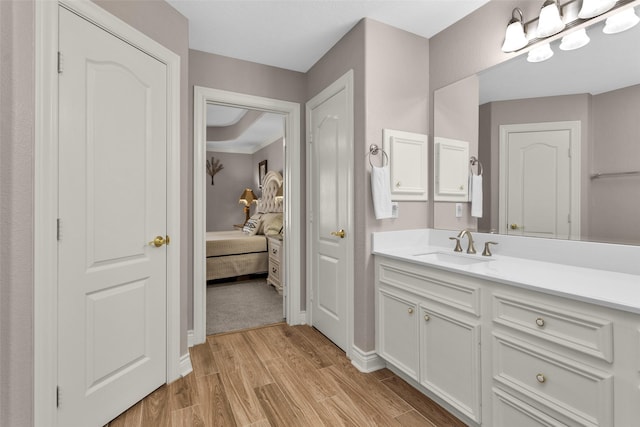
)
(451, 170)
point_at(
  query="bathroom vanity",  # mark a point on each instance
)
(542, 333)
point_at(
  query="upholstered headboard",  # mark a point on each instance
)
(270, 185)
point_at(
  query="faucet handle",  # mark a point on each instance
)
(487, 249)
(458, 247)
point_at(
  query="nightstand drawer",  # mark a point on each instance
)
(579, 392)
(274, 271)
(274, 249)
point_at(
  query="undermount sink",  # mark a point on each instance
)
(452, 258)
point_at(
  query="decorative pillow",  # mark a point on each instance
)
(272, 224)
(252, 226)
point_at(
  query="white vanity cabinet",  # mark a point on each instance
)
(499, 355)
(428, 328)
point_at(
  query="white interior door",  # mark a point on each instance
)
(538, 183)
(112, 202)
(330, 126)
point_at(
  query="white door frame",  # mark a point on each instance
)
(345, 82)
(292, 191)
(46, 193)
(575, 187)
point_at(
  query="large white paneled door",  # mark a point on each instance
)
(112, 284)
(539, 180)
(330, 133)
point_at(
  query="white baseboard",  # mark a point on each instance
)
(191, 338)
(366, 361)
(299, 319)
(185, 367)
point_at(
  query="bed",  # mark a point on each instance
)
(240, 252)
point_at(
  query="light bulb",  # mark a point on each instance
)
(575, 40)
(550, 21)
(540, 53)
(621, 21)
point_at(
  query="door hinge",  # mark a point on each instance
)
(58, 229)
(59, 62)
(57, 396)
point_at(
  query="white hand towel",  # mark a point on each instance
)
(476, 196)
(381, 192)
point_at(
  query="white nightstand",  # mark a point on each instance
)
(275, 262)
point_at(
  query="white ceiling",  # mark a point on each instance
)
(265, 130)
(219, 115)
(294, 34)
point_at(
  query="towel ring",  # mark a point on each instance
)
(474, 161)
(374, 150)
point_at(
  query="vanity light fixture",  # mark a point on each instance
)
(591, 8)
(575, 40)
(621, 21)
(514, 37)
(550, 20)
(540, 53)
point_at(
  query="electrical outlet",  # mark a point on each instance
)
(458, 210)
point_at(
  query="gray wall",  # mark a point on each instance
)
(16, 211)
(223, 208)
(274, 155)
(614, 203)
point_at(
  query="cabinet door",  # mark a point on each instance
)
(452, 170)
(450, 359)
(398, 332)
(408, 158)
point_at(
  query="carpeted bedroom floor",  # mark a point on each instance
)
(243, 304)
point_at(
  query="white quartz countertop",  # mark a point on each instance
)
(607, 288)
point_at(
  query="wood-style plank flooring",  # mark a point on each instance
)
(282, 376)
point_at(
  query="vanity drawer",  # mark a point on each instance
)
(578, 392)
(509, 411)
(448, 289)
(578, 331)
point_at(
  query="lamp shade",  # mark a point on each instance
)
(247, 197)
(540, 53)
(550, 21)
(514, 37)
(591, 8)
(575, 40)
(621, 21)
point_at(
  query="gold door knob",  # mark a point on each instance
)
(514, 226)
(159, 241)
(339, 233)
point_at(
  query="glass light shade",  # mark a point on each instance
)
(621, 21)
(514, 37)
(540, 53)
(591, 8)
(575, 40)
(550, 21)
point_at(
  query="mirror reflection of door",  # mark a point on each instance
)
(537, 180)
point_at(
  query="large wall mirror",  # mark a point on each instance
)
(573, 118)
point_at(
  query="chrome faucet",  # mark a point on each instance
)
(470, 248)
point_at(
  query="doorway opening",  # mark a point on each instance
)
(289, 199)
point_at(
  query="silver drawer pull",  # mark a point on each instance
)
(426, 317)
(410, 310)
(541, 378)
(540, 322)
